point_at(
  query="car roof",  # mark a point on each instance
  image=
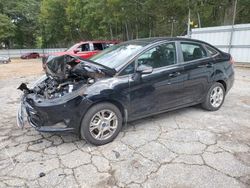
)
(158, 39)
(147, 41)
(99, 41)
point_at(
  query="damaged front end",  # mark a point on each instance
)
(57, 101)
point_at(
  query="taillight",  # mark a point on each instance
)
(232, 61)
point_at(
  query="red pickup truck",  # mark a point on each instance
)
(83, 49)
(87, 49)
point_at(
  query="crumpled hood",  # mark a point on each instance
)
(62, 67)
(56, 66)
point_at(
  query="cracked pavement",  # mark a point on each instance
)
(189, 147)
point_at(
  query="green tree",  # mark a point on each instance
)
(59, 23)
(52, 21)
(243, 12)
(7, 30)
(23, 14)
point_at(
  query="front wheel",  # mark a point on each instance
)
(101, 124)
(215, 97)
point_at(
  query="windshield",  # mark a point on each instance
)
(116, 55)
(72, 47)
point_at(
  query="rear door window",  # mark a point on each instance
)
(192, 51)
(211, 50)
(98, 46)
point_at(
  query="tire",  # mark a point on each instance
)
(92, 121)
(214, 98)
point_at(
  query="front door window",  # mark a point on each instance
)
(159, 56)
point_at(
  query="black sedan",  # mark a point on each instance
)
(123, 83)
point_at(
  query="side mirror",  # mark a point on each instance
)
(76, 51)
(144, 69)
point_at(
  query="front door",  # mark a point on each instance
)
(84, 50)
(159, 90)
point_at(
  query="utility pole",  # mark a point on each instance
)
(232, 29)
(235, 8)
(172, 29)
(172, 20)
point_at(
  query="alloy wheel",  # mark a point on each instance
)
(103, 124)
(216, 97)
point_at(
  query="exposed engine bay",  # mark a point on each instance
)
(51, 88)
(66, 74)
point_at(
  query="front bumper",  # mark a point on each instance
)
(52, 117)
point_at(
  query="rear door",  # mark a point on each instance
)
(198, 70)
(97, 47)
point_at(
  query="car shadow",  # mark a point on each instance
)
(127, 127)
(160, 116)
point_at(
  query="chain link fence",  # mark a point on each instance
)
(16, 53)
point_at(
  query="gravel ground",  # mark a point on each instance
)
(185, 148)
(21, 68)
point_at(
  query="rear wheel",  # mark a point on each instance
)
(215, 97)
(101, 124)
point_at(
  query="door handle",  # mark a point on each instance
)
(209, 65)
(175, 74)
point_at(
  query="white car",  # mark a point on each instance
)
(4, 59)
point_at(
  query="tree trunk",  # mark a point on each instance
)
(199, 19)
(150, 31)
(116, 29)
(111, 31)
(127, 33)
(136, 28)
